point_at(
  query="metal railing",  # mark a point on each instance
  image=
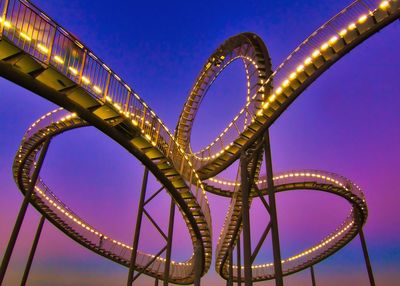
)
(70, 222)
(28, 28)
(322, 35)
(334, 240)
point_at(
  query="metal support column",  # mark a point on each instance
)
(198, 267)
(32, 253)
(22, 211)
(169, 242)
(312, 276)
(366, 258)
(246, 221)
(273, 215)
(229, 281)
(138, 226)
(156, 282)
(238, 263)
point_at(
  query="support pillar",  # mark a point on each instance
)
(366, 258)
(138, 226)
(22, 211)
(230, 277)
(239, 265)
(32, 253)
(169, 242)
(312, 276)
(273, 215)
(246, 221)
(198, 267)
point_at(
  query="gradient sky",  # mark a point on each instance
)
(347, 122)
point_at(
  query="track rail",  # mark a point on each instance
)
(45, 200)
(290, 181)
(329, 43)
(38, 54)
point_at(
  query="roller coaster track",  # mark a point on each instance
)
(52, 124)
(303, 66)
(39, 55)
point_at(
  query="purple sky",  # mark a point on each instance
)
(346, 122)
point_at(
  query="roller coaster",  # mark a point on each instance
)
(38, 54)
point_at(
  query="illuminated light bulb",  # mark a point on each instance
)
(272, 98)
(7, 24)
(293, 75)
(286, 83)
(308, 61)
(43, 48)
(323, 47)
(85, 80)
(300, 68)
(316, 53)
(362, 19)
(58, 60)
(333, 40)
(384, 5)
(279, 90)
(352, 26)
(25, 36)
(260, 112)
(73, 70)
(97, 89)
(343, 32)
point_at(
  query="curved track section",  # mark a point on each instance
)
(306, 63)
(39, 55)
(252, 51)
(65, 219)
(297, 180)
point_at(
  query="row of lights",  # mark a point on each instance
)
(384, 6)
(308, 251)
(284, 176)
(308, 61)
(85, 80)
(241, 112)
(67, 213)
(82, 224)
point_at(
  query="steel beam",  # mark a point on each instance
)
(273, 215)
(238, 263)
(312, 276)
(169, 242)
(138, 227)
(229, 281)
(366, 258)
(198, 263)
(22, 211)
(32, 253)
(246, 221)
